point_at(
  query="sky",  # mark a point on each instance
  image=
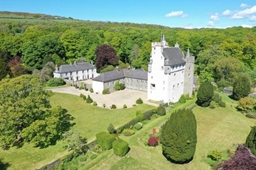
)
(172, 13)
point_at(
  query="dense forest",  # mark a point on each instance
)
(221, 54)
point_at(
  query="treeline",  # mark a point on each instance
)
(220, 53)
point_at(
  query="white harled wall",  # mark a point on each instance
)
(168, 87)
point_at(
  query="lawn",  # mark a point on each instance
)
(89, 121)
(218, 128)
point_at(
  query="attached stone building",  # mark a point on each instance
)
(133, 79)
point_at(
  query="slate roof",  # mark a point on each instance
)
(120, 74)
(75, 67)
(173, 56)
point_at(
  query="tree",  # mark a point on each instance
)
(250, 140)
(246, 104)
(16, 66)
(26, 114)
(241, 87)
(242, 159)
(178, 137)
(47, 72)
(205, 94)
(106, 55)
(4, 69)
(111, 129)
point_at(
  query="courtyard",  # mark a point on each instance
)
(119, 98)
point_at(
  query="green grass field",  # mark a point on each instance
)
(89, 121)
(218, 128)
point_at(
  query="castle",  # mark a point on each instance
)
(170, 72)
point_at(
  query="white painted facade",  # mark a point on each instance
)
(166, 78)
(76, 71)
(98, 86)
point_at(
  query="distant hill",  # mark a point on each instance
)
(26, 15)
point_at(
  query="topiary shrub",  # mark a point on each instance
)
(94, 103)
(113, 106)
(182, 99)
(147, 115)
(105, 91)
(205, 94)
(105, 140)
(111, 129)
(124, 106)
(153, 141)
(161, 110)
(222, 104)
(138, 126)
(213, 105)
(241, 87)
(122, 86)
(215, 155)
(178, 137)
(139, 101)
(120, 147)
(91, 90)
(89, 99)
(250, 140)
(128, 132)
(55, 82)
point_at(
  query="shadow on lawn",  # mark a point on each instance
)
(4, 165)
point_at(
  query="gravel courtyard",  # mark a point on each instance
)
(119, 98)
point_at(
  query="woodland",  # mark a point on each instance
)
(221, 54)
(34, 46)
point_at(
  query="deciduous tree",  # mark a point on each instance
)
(106, 55)
(26, 114)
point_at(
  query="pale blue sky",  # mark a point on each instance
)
(172, 13)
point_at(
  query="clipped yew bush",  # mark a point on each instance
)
(139, 101)
(178, 137)
(120, 147)
(105, 91)
(113, 106)
(111, 129)
(128, 132)
(91, 90)
(105, 140)
(95, 103)
(138, 126)
(205, 94)
(124, 106)
(89, 99)
(161, 110)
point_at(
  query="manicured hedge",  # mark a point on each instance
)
(105, 140)
(120, 147)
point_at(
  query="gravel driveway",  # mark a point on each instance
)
(119, 98)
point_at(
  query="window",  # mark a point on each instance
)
(173, 86)
(151, 76)
(163, 82)
(162, 67)
(152, 86)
